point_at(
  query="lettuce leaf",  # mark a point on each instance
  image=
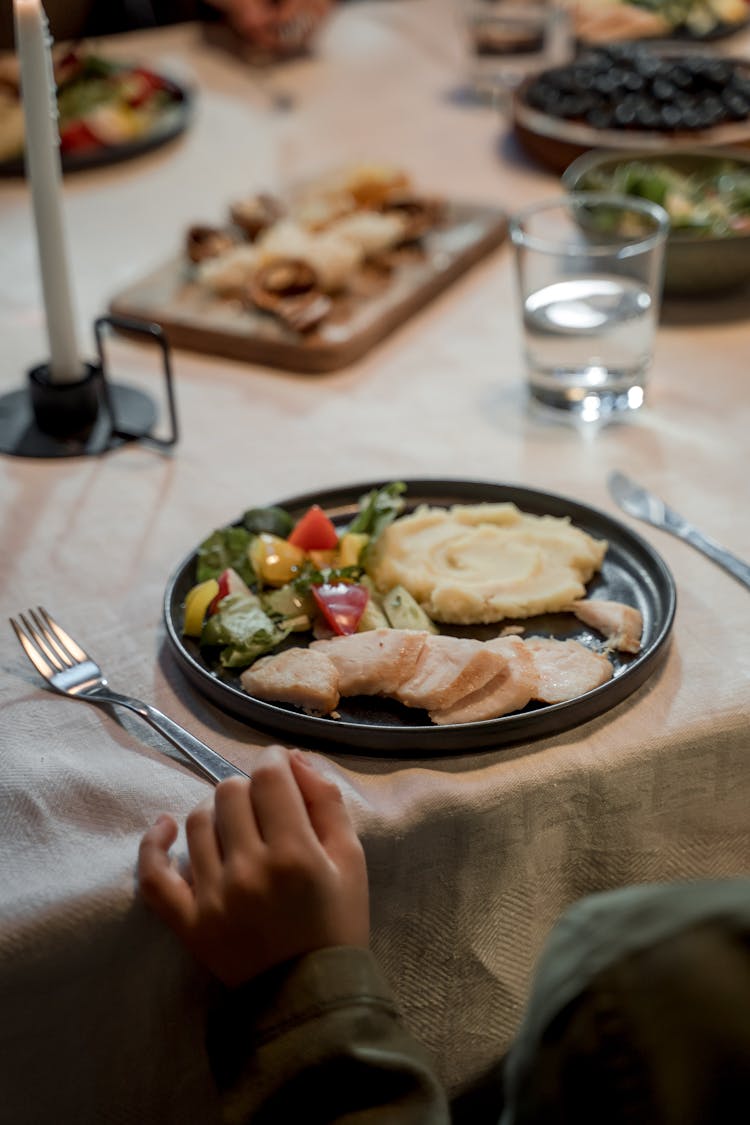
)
(273, 520)
(378, 508)
(243, 628)
(228, 546)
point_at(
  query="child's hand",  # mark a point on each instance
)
(277, 870)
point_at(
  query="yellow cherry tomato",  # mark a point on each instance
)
(275, 560)
(196, 603)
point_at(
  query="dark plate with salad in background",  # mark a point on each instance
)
(219, 649)
(697, 21)
(107, 111)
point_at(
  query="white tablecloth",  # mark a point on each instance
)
(471, 857)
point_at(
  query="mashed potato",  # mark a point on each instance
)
(470, 565)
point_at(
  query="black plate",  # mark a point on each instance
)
(721, 30)
(683, 34)
(632, 572)
(172, 121)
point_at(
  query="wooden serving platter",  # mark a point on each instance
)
(377, 302)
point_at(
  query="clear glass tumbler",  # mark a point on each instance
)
(590, 269)
(510, 40)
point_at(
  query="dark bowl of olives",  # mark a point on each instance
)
(705, 192)
(633, 98)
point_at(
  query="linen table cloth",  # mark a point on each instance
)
(471, 857)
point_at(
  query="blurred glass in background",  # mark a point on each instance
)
(507, 41)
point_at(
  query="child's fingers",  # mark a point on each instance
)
(203, 847)
(162, 886)
(235, 820)
(325, 807)
(277, 802)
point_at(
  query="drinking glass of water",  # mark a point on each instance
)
(510, 40)
(590, 268)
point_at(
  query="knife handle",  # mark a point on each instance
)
(736, 567)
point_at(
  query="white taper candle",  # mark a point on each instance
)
(44, 173)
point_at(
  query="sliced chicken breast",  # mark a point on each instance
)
(509, 691)
(513, 648)
(621, 624)
(299, 676)
(376, 662)
(566, 669)
(448, 669)
(523, 675)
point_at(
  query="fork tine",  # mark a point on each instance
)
(71, 648)
(39, 637)
(43, 667)
(52, 646)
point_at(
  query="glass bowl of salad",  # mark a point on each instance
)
(705, 192)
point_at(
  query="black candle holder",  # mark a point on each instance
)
(90, 416)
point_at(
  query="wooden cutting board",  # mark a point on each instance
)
(378, 301)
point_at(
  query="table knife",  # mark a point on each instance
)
(636, 501)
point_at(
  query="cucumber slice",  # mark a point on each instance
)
(373, 616)
(286, 603)
(403, 612)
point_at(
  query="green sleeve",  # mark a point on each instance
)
(319, 1040)
(639, 1012)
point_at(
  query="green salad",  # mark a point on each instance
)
(101, 104)
(713, 200)
(269, 576)
(699, 17)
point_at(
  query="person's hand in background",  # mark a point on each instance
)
(276, 871)
(277, 27)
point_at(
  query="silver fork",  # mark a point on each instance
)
(70, 670)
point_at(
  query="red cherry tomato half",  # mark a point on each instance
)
(141, 85)
(155, 81)
(76, 137)
(314, 532)
(229, 583)
(342, 605)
